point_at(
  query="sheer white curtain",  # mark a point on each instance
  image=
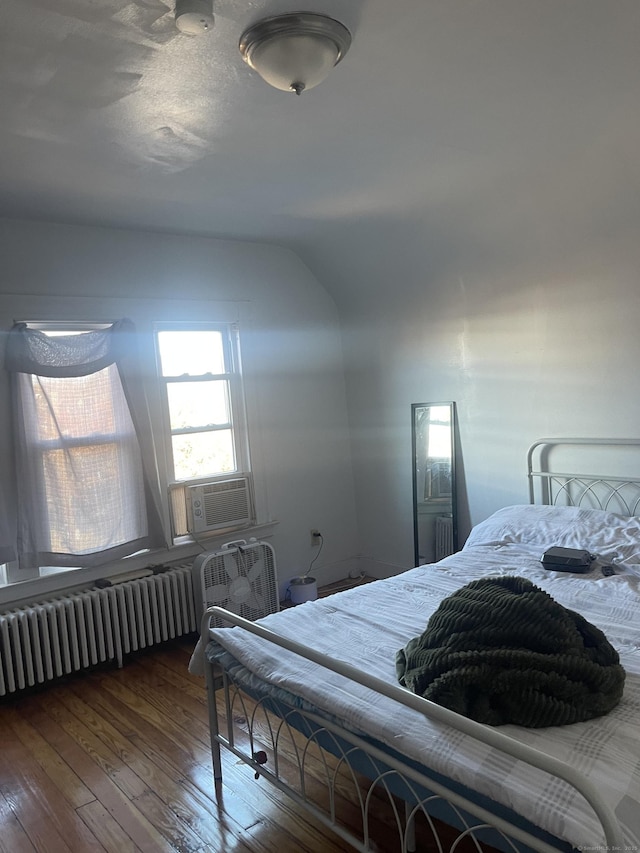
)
(7, 537)
(87, 493)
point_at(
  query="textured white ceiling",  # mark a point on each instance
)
(111, 116)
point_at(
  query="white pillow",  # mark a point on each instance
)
(613, 536)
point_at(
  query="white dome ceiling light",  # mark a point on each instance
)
(295, 52)
(194, 17)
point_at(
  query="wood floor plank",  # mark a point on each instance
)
(94, 776)
(193, 779)
(179, 835)
(173, 668)
(143, 687)
(120, 761)
(158, 713)
(118, 745)
(170, 702)
(58, 771)
(106, 828)
(185, 805)
(190, 696)
(13, 838)
(154, 735)
(42, 810)
(88, 739)
(242, 819)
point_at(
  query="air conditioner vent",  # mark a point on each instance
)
(212, 506)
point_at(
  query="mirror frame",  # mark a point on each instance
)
(454, 514)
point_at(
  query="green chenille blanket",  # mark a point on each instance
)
(501, 650)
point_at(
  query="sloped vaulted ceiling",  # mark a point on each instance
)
(444, 115)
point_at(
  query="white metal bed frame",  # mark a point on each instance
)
(266, 734)
(620, 494)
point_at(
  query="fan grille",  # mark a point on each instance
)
(240, 578)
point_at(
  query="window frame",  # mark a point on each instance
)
(22, 584)
(235, 399)
(237, 411)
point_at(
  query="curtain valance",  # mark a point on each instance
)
(32, 351)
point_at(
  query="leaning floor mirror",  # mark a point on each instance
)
(434, 481)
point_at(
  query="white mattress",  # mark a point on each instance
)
(366, 626)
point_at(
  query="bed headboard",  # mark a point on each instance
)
(551, 463)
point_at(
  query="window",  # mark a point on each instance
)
(83, 441)
(103, 461)
(438, 463)
(197, 373)
(439, 434)
(204, 420)
(83, 496)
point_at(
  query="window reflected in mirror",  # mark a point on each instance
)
(433, 481)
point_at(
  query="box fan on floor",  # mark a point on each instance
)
(240, 576)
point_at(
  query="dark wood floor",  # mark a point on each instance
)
(119, 760)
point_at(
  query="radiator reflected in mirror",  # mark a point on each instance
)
(434, 481)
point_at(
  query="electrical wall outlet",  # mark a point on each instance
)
(315, 536)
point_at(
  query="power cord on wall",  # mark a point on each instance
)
(319, 536)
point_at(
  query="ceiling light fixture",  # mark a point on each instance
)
(194, 17)
(295, 52)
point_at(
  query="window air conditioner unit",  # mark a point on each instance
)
(213, 506)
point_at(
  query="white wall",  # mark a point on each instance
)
(291, 349)
(531, 323)
(532, 331)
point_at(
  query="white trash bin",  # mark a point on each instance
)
(303, 589)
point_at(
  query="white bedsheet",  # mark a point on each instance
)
(366, 626)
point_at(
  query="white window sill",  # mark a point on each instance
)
(57, 581)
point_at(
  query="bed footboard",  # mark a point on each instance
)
(362, 792)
